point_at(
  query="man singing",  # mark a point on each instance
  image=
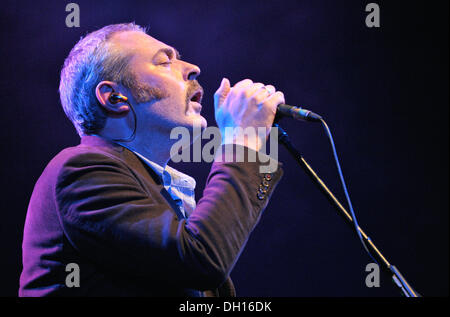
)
(113, 207)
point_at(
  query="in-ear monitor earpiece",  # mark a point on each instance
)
(116, 98)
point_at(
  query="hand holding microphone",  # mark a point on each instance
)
(246, 105)
(249, 104)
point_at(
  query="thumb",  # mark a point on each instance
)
(222, 92)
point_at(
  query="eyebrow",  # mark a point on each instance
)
(169, 52)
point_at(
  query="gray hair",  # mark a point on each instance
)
(90, 61)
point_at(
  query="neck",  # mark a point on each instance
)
(154, 147)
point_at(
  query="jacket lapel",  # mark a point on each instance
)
(145, 174)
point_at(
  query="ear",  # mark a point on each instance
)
(103, 91)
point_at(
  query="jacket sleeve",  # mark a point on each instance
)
(110, 219)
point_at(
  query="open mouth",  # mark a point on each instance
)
(197, 96)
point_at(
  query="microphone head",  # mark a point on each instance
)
(298, 113)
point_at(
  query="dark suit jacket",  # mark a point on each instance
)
(99, 206)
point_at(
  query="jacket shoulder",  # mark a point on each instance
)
(77, 156)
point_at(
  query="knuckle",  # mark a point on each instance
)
(242, 94)
(248, 94)
(255, 99)
(258, 85)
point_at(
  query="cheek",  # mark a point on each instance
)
(152, 76)
(173, 92)
(166, 87)
(167, 109)
(172, 82)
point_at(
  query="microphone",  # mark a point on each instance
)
(297, 113)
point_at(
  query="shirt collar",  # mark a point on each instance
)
(168, 175)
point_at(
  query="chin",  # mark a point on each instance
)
(204, 123)
(196, 121)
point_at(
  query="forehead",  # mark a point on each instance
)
(138, 42)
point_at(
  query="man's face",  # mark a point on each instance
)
(158, 66)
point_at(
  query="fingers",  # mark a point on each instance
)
(262, 93)
(242, 84)
(274, 100)
(259, 93)
(271, 89)
(221, 93)
(254, 89)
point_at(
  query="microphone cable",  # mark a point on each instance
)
(344, 186)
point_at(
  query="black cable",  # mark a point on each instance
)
(133, 135)
(344, 186)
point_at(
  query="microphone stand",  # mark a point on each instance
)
(388, 268)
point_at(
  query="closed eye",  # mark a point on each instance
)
(168, 55)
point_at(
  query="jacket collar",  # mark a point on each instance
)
(120, 152)
(97, 141)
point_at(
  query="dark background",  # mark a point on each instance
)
(384, 93)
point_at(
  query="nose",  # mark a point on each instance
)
(191, 72)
